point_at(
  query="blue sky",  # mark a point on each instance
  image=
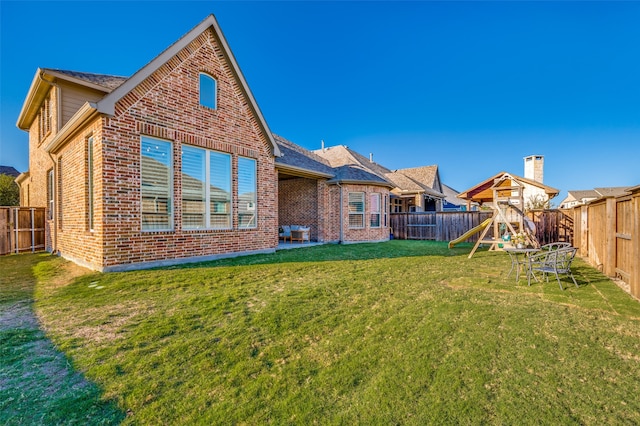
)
(471, 86)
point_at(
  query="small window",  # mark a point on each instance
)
(50, 194)
(90, 185)
(374, 210)
(208, 89)
(356, 210)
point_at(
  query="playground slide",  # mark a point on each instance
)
(470, 232)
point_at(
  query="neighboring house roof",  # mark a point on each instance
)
(585, 195)
(614, 191)
(297, 159)
(425, 178)
(352, 167)
(44, 79)
(405, 181)
(483, 193)
(8, 170)
(451, 195)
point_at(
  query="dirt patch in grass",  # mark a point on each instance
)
(65, 273)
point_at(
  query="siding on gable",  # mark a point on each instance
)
(72, 97)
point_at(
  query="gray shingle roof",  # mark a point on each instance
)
(357, 174)
(296, 156)
(107, 81)
(614, 191)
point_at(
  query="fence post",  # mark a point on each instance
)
(635, 242)
(609, 267)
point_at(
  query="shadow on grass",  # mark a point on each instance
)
(39, 385)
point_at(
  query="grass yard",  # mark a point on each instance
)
(403, 332)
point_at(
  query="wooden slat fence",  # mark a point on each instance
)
(22, 229)
(437, 226)
(607, 233)
(552, 225)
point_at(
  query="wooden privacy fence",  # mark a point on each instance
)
(607, 233)
(551, 225)
(438, 226)
(21, 229)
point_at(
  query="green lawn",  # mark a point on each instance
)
(403, 332)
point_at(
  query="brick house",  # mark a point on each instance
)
(177, 164)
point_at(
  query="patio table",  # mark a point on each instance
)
(520, 260)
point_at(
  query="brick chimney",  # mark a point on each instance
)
(534, 168)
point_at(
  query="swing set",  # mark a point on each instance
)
(508, 219)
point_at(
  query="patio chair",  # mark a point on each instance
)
(556, 262)
(285, 232)
(555, 245)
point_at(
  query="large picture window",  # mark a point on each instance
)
(156, 184)
(247, 210)
(374, 210)
(206, 189)
(356, 210)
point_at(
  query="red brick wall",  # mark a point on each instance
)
(351, 235)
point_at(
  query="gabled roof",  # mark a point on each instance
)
(105, 82)
(45, 78)
(481, 192)
(352, 167)
(614, 191)
(115, 91)
(581, 195)
(423, 178)
(425, 174)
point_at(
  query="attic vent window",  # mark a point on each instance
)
(208, 89)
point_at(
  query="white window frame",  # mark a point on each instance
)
(354, 211)
(208, 213)
(170, 192)
(252, 204)
(373, 213)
